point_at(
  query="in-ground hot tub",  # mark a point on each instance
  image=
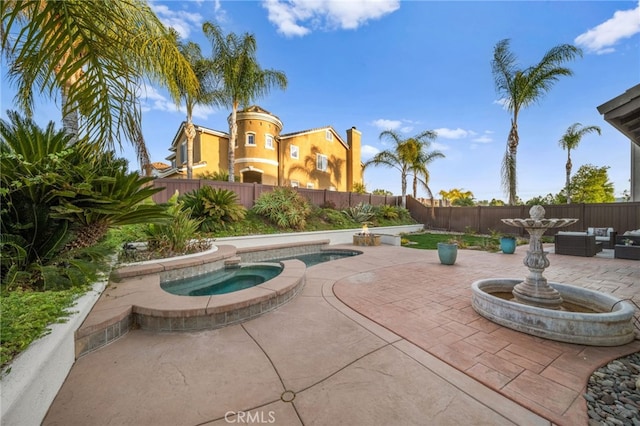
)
(225, 280)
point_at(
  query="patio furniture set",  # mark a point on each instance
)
(591, 242)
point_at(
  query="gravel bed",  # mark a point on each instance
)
(613, 393)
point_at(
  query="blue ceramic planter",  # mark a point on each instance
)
(447, 253)
(508, 245)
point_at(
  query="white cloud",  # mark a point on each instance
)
(368, 151)
(503, 102)
(300, 17)
(181, 21)
(484, 138)
(600, 39)
(152, 100)
(384, 124)
(436, 146)
(453, 133)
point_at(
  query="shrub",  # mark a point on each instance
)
(335, 217)
(215, 207)
(177, 235)
(360, 213)
(388, 212)
(284, 207)
(58, 201)
(328, 205)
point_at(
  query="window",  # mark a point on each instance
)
(268, 142)
(328, 135)
(251, 139)
(295, 184)
(295, 152)
(309, 185)
(321, 162)
(183, 152)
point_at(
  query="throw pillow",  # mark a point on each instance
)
(600, 232)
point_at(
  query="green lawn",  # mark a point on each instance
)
(429, 241)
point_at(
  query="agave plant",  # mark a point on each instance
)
(360, 213)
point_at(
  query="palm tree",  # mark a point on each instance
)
(421, 174)
(455, 194)
(405, 156)
(519, 89)
(207, 92)
(71, 46)
(419, 168)
(243, 79)
(570, 140)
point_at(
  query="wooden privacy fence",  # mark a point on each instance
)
(248, 193)
(482, 219)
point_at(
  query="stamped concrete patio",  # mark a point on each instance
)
(388, 338)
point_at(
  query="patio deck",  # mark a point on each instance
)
(387, 337)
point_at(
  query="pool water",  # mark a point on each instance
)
(312, 259)
(229, 280)
(223, 280)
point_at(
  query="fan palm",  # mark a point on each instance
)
(519, 89)
(570, 140)
(405, 155)
(72, 46)
(242, 78)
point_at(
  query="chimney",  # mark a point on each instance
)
(354, 162)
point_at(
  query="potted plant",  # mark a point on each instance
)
(508, 244)
(447, 252)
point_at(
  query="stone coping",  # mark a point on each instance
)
(134, 298)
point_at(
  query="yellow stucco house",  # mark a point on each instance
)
(317, 158)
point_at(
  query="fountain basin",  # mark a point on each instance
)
(609, 324)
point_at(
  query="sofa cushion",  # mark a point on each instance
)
(572, 233)
(601, 232)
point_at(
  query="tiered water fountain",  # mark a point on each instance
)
(552, 310)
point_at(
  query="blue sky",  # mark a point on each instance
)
(412, 66)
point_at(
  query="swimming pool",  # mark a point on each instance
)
(227, 280)
(223, 281)
(311, 259)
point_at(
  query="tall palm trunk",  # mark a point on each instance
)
(70, 115)
(568, 177)
(509, 165)
(233, 137)
(70, 119)
(190, 132)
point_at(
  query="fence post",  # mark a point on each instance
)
(255, 192)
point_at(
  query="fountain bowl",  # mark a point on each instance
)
(610, 322)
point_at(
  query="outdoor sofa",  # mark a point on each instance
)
(606, 236)
(628, 245)
(576, 244)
